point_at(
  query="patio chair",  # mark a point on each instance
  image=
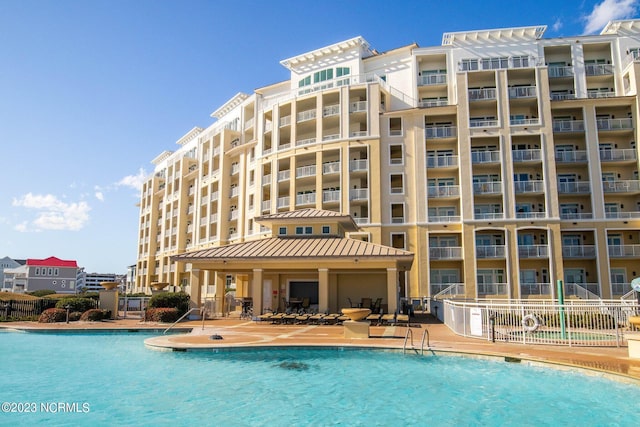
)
(402, 319)
(375, 307)
(365, 303)
(317, 318)
(306, 303)
(351, 304)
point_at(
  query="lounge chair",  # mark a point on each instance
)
(302, 318)
(402, 319)
(388, 319)
(289, 318)
(317, 318)
(374, 317)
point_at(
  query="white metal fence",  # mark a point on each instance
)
(583, 323)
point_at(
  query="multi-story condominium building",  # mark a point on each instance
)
(503, 161)
(92, 281)
(50, 273)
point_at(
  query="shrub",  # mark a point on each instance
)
(42, 292)
(53, 315)
(95, 315)
(177, 300)
(77, 304)
(162, 314)
(74, 316)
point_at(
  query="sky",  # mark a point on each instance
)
(91, 91)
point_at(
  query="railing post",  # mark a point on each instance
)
(563, 330)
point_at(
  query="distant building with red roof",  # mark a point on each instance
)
(50, 273)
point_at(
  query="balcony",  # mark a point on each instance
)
(284, 121)
(562, 95)
(361, 221)
(577, 156)
(620, 288)
(598, 69)
(282, 147)
(528, 187)
(480, 157)
(621, 186)
(488, 215)
(234, 192)
(448, 288)
(359, 194)
(624, 251)
(235, 168)
(282, 202)
(306, 199)
(266, 205)
(524, 122)
(305, 171)
(397, 219)
(482, 123)
(533, 251)
(266, 179)
(579, 251)
(306, 141)
(535, 289)
(435, 102)
(617, 155)
(449, 252)
(490, 251)
(437, 132)
(531, 155)
(568, 125)
(233, 215)
(213, 218)
(331, 137)
(331, 110)
(331, 167)
(583, 187)
(443, 191)
(494, 187)
(622, 215)
(304, 116)
(531, 215)
(442, 161)
(492, 289)
(331, 196)
(432, 79)
(358, 107)
(486, 94)
(560, 72)
(284, 175)
(522, 92)
(614, 124)
(595, 94)
(444, 218)
(359, 165)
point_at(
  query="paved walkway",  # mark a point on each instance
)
(243, 333)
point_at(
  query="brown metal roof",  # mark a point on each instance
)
(296, 248)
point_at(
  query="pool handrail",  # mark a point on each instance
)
(180, 319)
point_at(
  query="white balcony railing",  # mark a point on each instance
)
(283, 202)
(533, 251)
(478, 157)
(306, 199)
(306, 141)
(358, 106)
(284, 121)
(284, 175)
(528, 186)
(621, 186)
(494, 187)
(535, 288)
(577, 156)
(624, 251)
(622, 215)
(574, 187)
(482, 94)
(615, 155)
(482, 123)
(266, 205)
(331, 110)
(432, 79)
(304, 116)
(530, 155)
(331, 167)
(444, 218)
(305, 171)
(614, 124)
(443, 191)
(359, 194)
(448, 252)
(331, 196)
(359, 165)
(522, 92)
(568, 126)
(598, 69)
(492, 288)
(437, 132)
(560, 72)
(488, 215)
(490, 251)
(442, 161)
(266, 179)
(578, 251)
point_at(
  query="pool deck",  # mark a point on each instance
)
(245, 333)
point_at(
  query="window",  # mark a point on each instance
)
(304, 230)
(398, 240)
(304, 82)
(395, 126)
(321, 76)
(468, 64)
(495, 63)
(397, 213)
(50, 271)
(342, 71)
(37, 272)
(395, 155)
(55, 271)
(282, 231)
(326, 229)
(397, 186)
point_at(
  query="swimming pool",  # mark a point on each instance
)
(124, 383)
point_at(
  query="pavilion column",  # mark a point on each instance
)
(323, 290)
(257, 291)
(196, 287)
(392, 289)
(221, 282)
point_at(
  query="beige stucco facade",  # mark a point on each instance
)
(502, 160)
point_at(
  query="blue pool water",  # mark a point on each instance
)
(114, 380)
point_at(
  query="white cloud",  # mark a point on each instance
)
(557, 25)
(606, 11)
(99, 195)
(52, 213)
(134, 181)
